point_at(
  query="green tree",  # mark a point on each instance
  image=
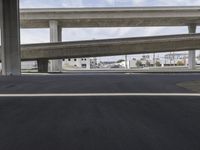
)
(139, 63)
(148, 64)
(180, 63)
(158, 63)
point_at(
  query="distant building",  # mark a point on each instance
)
(29, 65)
(198, 60)
(133, 63)
(106, 64)
(93, 63)
(123, 64)
(146, 61)
(76, 63)
(175, 59)
(112, 64)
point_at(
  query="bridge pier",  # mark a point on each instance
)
(55, 36)
(192, 54)
(10, 37)
(42, 65)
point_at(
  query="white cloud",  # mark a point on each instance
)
(71, 3)
(171, 2)
(110, 1)
(138, 2)
(34, 36)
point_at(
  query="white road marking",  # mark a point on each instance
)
(100, 94)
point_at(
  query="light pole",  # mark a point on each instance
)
(126, 61)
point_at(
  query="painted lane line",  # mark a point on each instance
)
(100, 94)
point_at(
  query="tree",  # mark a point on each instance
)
(180, 63)
(148, 64)
(139, 63)
(158, 63)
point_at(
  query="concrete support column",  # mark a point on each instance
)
(42, 65)
(10, 37)
(55, 36)
(192, 55)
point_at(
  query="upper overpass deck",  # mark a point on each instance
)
(111, 17)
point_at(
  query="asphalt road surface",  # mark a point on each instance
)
(97, 83)
(99, 122)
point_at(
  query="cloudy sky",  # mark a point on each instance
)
(106, 3)
(42, 35)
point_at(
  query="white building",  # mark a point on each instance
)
(147, 61)
(132, 63)
(198, 60)
(28, 65)
(120, 64)
(174, 59)
(124, 64)
(93, 63)
(76, 63)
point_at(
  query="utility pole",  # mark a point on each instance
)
(154, 59)
(126, 61)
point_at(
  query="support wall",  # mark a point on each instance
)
(55, 36)
(10, 37)
(192, 54)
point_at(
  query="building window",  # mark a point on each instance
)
(74, 59)
(84, 66)
(69, 59)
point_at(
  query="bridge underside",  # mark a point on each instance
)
(104, 17)
(111, 47)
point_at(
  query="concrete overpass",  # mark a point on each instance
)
(43, 52)
(56, 19)
(59, 18)
(111, 17)
(110, 47)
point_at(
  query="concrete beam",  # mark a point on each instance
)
(111, 17)
(10, 37)
(111, 47)
(42, 65)
(55, 36)
(192, 54)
